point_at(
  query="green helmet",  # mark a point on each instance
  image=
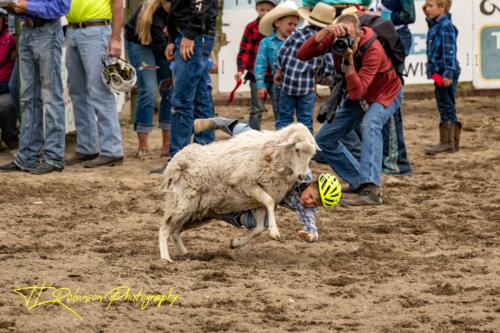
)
(330, 190)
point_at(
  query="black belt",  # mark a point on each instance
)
(82, 25)
(210, 33)
(35, 23)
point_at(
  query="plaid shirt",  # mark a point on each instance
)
(248, 47)
(402, 11)
(266, 58)
(298, 75)
(307, 216)
(442, 48)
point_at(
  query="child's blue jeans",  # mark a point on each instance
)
(445, 99)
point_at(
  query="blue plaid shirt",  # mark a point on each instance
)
(307, 216)
(298, 75)
(267, 54)
(442, 48)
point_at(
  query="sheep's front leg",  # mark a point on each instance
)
(260, 215)
(163, 237)
(261, 196)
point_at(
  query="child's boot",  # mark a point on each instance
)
(446, 138)
(219, 123)
(456, 136)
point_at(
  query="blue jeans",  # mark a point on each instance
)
(14, 88)
(445, 99)
(94, 104)
(349, 116)
(190, 87)
(148, 82)
(303, 105)
(40, 52)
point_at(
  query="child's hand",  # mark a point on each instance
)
(262, 93)
(277, 77)
(306, 236)
(238, 76)
(447, 82)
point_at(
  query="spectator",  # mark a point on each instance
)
(443, 67)
(339, 5)
(374, 94)
(297, 76)
(8, 117)
(146, 40)
(246, 60)
(94, 32)
(191, 32)
(401, 13)
(277, 25)
(40, 51)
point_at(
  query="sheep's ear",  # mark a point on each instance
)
(286, 143)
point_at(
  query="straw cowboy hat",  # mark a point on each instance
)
(287, 8)
(321, 15)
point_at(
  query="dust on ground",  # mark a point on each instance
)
(426, 261)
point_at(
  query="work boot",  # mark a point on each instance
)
(104, 160)
(44, 168)
(446, 137)
(218, 123)
(79, 158)
(367, 195)
(160, 170)
(456, 136)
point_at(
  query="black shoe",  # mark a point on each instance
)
(104, 161)
(79, 158)
(368, 195)
(160, 170)
(10, 167)
(44, 168)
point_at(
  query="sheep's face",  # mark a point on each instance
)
(299, 148)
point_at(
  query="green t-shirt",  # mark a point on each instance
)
(87, 10)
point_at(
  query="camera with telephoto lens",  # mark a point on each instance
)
(341, 44)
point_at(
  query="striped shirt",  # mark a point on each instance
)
(298, 76)
(442, 48)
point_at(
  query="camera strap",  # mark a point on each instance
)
(362, 50)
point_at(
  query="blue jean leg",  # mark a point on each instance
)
(14, 88)
(287, 106)
(257, 107)
(371, 140)
(40, 52)
(94, 104)
(333, 152)
(187, 76)
(305, 109)
(147, 82)
(204, 108)
(445, 99)
(276, 102)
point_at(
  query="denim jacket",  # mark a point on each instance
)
(442, 48)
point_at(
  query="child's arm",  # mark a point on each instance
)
(261, 65)
(244, 52)
(449, 51)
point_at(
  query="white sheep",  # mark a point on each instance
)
(251, 170)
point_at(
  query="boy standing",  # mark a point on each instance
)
(297, 76)
(277, 25)
(443, 67)
(246, 59)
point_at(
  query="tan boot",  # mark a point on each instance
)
(456, 136)
(446, 136)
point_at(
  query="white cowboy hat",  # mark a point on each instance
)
(287, 8)
(320, 16)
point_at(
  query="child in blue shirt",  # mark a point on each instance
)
(277, 25)
(443, 68)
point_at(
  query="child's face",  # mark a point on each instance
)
(310, 197)
(432, 10)
(286, 25)
(262, 8)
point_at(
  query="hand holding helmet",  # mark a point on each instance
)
(118, 75)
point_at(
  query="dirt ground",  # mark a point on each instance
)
(426, 261)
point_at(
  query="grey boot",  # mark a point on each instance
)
(446, 138)
(218, 123)
(456, 136)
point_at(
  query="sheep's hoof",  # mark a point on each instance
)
(167, 259)
(232, 244)
(275, 235)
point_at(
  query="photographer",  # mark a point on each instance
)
(373, 95)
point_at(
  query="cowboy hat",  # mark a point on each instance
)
(321, 15)
(287, 8)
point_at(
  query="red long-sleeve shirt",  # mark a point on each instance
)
(375, 80)
(7, 46)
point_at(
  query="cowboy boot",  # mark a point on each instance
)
(456, 136)
(446, 133)
(218, 123)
